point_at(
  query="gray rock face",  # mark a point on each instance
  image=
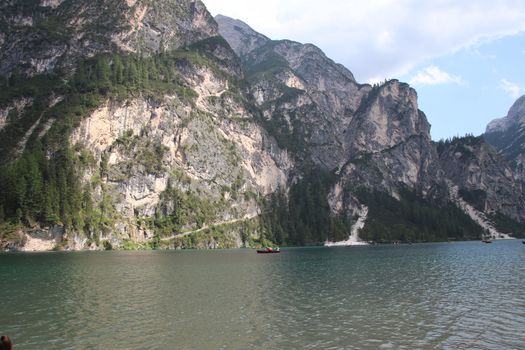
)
(38, 39)
(483, 177)
(390, 144)
(507, 135)
(374, 137)
(515, 117)
(208, 153)
(306, 98)
(329, 117)
(203, 155)
(241, 37)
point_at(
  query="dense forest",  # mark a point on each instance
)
(304, 217)
(414, 219)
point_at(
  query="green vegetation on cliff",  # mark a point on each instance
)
(177, 209)
(507, 225)
(40, 189)
(414, 219)
(39, 175)
(304, 217)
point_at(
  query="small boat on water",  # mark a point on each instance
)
(486, 241)
(268, 251)
(523, 242)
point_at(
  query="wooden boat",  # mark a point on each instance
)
(268, 251)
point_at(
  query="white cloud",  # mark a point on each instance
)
(433, 75)
(385, 38)
(375, 80)
(514, 90)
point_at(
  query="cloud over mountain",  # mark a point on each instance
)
(512, 89)
(433, 75)
(380, 39)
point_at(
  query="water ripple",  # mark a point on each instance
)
(436, 296)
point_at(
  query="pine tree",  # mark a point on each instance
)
(81, 80)
(51, 202)
(102, 74)
(34, 189)
(2, 214)
(118, 71)
(87, 210)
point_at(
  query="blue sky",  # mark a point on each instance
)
(465, 58)
(483, 82)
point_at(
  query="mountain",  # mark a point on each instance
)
(43, 36)
(484, 182)
(137, 144)
(139, 124)
(316, 109)
(374, 138)
(507, 135)
(306, 98)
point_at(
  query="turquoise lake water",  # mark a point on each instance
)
(429, 296)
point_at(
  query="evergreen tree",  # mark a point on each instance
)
(2, 214)
(118, 70)
(102, 74)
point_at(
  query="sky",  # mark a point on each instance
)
(465, 58)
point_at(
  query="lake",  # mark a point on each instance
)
(424, 296)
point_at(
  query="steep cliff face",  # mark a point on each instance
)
(307, 100)
(165, 157)
(241, 37)
(483, 177)
(39, 36)
(373, 136)
(391, 147)
(507, 135)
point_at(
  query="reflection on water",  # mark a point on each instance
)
(454, 296)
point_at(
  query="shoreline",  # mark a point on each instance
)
(374, 244)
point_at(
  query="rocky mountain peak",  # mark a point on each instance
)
(515, 116)
(306, 59)
(241, 37)
(387, 117)
(517, 111)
